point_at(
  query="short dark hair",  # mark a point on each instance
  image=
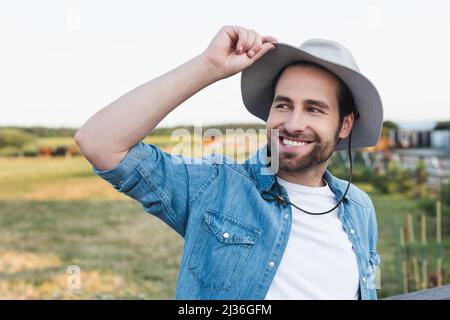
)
(344, 95)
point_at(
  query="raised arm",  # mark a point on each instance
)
(106, 136)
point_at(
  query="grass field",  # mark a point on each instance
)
(55, 213)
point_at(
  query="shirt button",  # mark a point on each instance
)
(226, 235)
(286, 216)
(271, 264)
(352, 231)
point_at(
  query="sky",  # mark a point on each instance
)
(63, 60)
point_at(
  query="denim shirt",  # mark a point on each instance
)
(234, 240)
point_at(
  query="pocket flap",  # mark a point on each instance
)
(230, 230)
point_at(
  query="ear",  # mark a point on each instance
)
(347, 126)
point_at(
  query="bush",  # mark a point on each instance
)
(15, 138)
(445, 193)
(30, 153)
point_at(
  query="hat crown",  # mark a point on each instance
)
(331, 51)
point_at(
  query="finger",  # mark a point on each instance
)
(242, 34)
(257, 45)
(251, 37)
(265, 48)
(232, 32)
(269, 39)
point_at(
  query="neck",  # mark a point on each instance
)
(310, 178)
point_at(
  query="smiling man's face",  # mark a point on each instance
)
(305, 110)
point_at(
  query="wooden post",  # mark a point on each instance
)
(398, 256)
(403, 258)
(407, 251)
(424, 252)
(413, 251)
(438, 244)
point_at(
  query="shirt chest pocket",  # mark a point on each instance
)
(221, 249)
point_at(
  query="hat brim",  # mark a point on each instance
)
(256, 88)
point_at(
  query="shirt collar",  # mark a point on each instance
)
(260, 169)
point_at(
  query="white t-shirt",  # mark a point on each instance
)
(319, 261)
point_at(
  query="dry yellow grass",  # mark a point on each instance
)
(93, 284)
(14, 261)
(89, 188)
(52, 179)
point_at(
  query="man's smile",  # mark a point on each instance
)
(295, 145)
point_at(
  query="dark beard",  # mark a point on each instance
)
(318, 155)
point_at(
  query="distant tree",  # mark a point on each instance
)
(14, 138)
(45, 131)
(421, 172)
(387, 126)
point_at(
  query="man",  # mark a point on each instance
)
(271, 227)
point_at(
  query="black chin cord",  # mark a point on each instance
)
(269, 196)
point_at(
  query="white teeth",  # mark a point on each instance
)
(293, 143)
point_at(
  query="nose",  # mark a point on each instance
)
(296, 121)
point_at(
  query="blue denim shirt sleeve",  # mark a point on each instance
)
(374, 257)
(117, 175)
(373, 237)
(162, 183)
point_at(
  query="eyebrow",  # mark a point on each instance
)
(319, 103)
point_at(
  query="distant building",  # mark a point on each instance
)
(440, 139)
(419, 135)
(402, 138)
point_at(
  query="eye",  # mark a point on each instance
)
(280, 106)
(315, 110)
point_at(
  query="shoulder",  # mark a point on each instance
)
(228, 165)
(354, 194)
(360, 197)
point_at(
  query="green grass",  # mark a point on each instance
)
(21, 176)
(56, 141)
